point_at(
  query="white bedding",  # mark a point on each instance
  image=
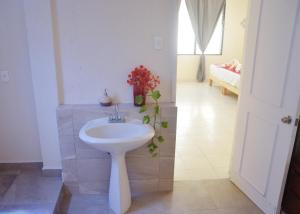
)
(225, 75)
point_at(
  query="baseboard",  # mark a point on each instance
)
(47, 172)
(51, 172)
(20, 161)
(23, 165)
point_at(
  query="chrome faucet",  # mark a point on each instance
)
(116, 117)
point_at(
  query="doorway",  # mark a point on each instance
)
(207, 109)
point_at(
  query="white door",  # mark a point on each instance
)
(270, 91)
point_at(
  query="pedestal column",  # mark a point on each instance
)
(119, 189)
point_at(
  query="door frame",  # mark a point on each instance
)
(292, 144)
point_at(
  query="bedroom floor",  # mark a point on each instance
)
(205, 131)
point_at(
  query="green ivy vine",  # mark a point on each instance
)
(153, 118)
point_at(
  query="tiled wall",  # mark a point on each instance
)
(87, 170)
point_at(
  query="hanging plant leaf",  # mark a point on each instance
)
(152, 148)
(160, 139)
(146, 119)
(164, 124)
(138, 99)
(155, 95)
(143, 109)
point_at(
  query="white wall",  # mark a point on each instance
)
(88, 46)
(38, 16)
(233, 43)
(19, 140)
(101, 41)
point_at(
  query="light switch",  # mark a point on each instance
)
(158, 43)
(4, 76)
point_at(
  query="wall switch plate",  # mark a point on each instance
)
(158, 43)
(4, 76)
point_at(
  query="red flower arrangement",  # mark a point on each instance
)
(143, 81)
(143, 78)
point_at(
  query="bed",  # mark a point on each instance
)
(226, 76)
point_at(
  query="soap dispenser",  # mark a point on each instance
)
(106, 100)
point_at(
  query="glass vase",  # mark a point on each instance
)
(139, 91)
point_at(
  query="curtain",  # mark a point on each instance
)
(178, 4)
(204, 16)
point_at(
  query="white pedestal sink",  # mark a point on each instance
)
(117, 139)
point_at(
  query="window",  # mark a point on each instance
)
(186, 37)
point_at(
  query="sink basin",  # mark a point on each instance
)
(117, 139)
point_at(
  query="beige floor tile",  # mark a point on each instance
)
(215, 150)
(195, 163)
(192, 151)
(226, 195)
(188, 197)
(178, 164)
(243, 210)
(205, 132)
(221, 172)
(194, 197)
(195, 175)
(219, 160)
(193, 141)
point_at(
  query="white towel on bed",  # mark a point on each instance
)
(225, 75)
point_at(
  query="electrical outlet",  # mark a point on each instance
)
(4, 76)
